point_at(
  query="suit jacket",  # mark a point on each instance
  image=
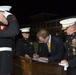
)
(57, 49)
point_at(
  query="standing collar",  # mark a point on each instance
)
(49, 38)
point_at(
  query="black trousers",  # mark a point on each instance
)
(71, 71)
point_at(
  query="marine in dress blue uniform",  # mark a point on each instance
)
(69, 26)
(25, 46)
(8, 29)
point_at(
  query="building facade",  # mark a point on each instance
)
(47, 21)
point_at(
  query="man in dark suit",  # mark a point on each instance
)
(69, 26)
(24, 46)
(55, 51)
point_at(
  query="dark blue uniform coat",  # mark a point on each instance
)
(25, 46)
(10, 31)
(71, 54)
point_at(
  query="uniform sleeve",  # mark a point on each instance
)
(72, 63)
(19, 47)
(12, 29)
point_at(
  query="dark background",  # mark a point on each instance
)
(22, 9)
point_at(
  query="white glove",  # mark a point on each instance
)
(65, 65)
(6, 13)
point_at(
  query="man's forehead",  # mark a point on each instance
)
(41, 37)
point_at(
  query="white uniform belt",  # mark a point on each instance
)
(5, 49)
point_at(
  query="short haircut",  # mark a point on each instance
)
(42, 33)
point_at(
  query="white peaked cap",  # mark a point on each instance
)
(5, 8)
(25, 29)
(67, 22)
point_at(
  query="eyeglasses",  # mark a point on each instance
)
(42, 40)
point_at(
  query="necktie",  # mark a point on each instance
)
(49, 46)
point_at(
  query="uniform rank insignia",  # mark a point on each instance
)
(74, 46)
(2, 27)
(14, 18)
(74, 42)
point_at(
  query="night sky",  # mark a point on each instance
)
(22, 9)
